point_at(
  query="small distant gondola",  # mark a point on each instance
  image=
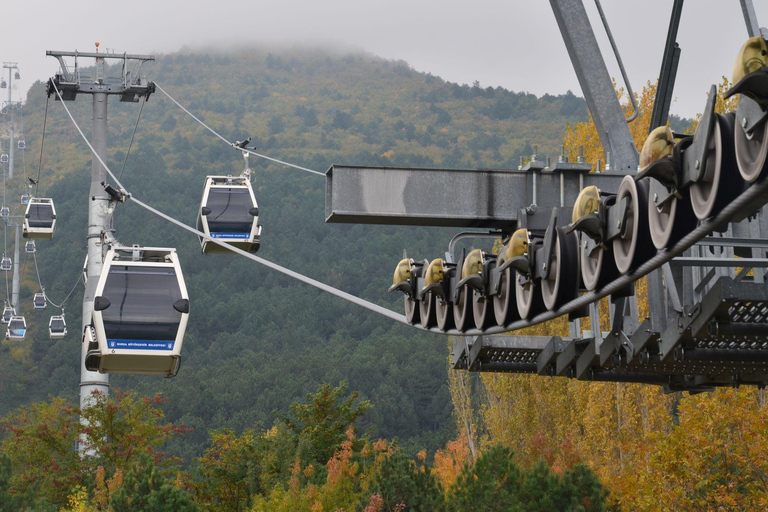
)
(140, 313)
(5, 212)
(6, 264)
(57, 327)
(30, 247)
(17, 328)
(8, 312)
(39, 300)
(4, 158)
(22, 144)
(229, 212)
(40, 219)
(25, 197)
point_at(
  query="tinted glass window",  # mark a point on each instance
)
(229, 210)
(16, 325)
(57, 325)
(40, 216)
(142, 301)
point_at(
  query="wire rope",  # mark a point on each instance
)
(247, 150)
(42, 144)
(274, 266)
(130, 144)
(47, 298)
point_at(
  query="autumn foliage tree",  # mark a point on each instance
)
(41, 440)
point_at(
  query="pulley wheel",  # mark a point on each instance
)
(598, 267)
(634, 246)
(462, 310)
(562, 284)
(672, 221)
(444, 314)
(427, 310)
(529, 301)
(412, 309)
(720, 183)
(751, 154)
(504, 307)
(482, 307)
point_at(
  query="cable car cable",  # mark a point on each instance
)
(274, 266)
(239, 148)
(42, 144)
(130, 144)
(42, 288)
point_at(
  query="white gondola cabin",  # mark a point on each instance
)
(229, 212)
(25, 198)
(57, 327)
(30, 247)
(6, 264)
(39, 300)
(140, 313)
(22, 144)
(4, 158)
(17, 328)
(8, 312)
(40, 219)
(5, 212)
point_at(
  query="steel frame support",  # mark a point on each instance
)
(596, 84)
(100, 88)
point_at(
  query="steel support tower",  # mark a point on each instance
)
(13, 73)
(129, 86)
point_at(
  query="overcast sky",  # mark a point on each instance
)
(510, 43)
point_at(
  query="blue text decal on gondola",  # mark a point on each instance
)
(141, 344)
(230, 235)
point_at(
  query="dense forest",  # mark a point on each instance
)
(257, 340)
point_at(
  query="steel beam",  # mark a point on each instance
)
(596, 84)
(449, 197)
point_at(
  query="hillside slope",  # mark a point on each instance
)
(256, 339)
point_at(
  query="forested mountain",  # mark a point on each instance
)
(258, 340)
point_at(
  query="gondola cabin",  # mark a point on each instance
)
(57, 327)
(6, 264)
(25, 198)
(140, 313)
(4, 158)
(40, 219)
(39, 301)
(22, 144)
(5, 212)
(30, 247)
(228, 212)
(17, 328)
(8, 312)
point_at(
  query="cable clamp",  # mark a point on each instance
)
(114, 194)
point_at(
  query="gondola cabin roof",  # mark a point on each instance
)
(8, 312)
(57, 327)
(40, 218)
(229, 213)
(17, 328)
(141, 308)
(39, 301)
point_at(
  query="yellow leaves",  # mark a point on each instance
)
(448, 462)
